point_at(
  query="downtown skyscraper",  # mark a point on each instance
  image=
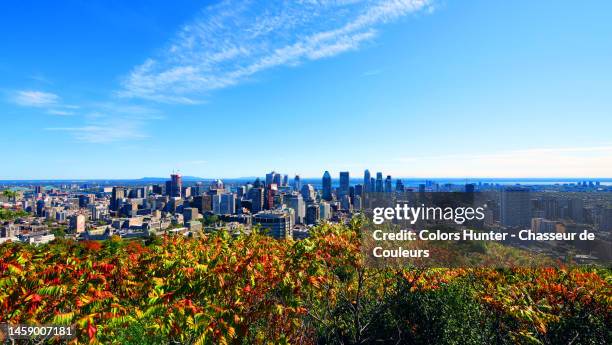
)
(344, 183)
(327, 186)
(366, 180)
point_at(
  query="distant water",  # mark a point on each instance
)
(412, 182)
(409, 182)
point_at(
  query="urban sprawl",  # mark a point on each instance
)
(284, 208)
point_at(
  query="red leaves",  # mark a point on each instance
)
(93, 246)
(134, 247)
(219, 286)
(91, 330)
(35, 298)
(168, 296)
(105, 267)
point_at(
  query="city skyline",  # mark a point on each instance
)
(415, 88)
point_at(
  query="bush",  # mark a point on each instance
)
(253, 289)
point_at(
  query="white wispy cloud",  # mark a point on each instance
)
(104, 133)
(48, 101)
(60, 112)
(230, 42)
(33, 98)
(112, 122)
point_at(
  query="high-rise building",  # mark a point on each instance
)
(117, 195)
(388, 184)
(327, 186)
(285, 180)
(202, 202)
(366, 180)
(273, 177)
(279, 200)
(344, 182)
(359, 190)
(277, 179)
(157, 189)
(399, 186)
(379, 182)
(240, 191)
(324, 210)
(97, 211)
(86, 199)
(297, 183)
(136, 193)
(129, 209)
(313, 214)
(296, 202)
(224, 203)
(77, 223)
(40, 207)
(308, 192)
(270, 196)
(277, 223)
(256, 195)
(218, 185)
(345, 202)
(175, 186)
(189, 214)
(515, 207)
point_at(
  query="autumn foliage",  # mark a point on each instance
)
(253, 289)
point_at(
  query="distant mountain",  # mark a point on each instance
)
(185, 178)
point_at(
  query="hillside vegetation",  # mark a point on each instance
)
(253, 289)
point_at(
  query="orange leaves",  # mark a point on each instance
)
(134, 247)
(92, 245)
(316, 281)
(535, 297)
(221, 288)
(432, 279)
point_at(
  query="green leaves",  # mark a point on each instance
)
(255, 289)
(54, 290)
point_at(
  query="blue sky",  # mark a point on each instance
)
(414, 88)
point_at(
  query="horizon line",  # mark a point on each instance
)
(315, 177)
